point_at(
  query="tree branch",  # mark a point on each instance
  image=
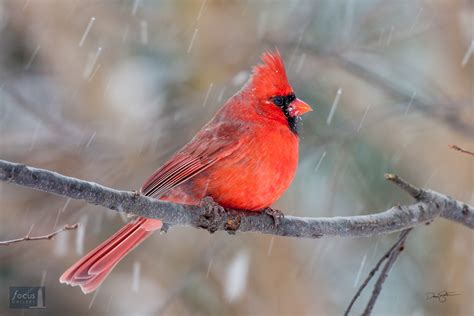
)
(429, 206)
(49, 236)
(375, 269)
(392, 257)
(455, 147)
(405, 186)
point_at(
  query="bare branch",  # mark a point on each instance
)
(393, 255)
(49, 236)
(374, 270)
(455, 147)
(429, 206)
(410, 189)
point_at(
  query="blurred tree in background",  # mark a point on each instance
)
(107, 90)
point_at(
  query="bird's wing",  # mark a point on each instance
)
(212, 143)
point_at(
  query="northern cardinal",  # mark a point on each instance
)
(244, 158)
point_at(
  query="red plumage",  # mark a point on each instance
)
(244, 158)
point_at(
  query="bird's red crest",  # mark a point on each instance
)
(269, 79)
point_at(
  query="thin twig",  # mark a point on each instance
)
(384, 274)
(374, 270)
(49, 236)
(397, 218)
(407, 187)
(455, 147)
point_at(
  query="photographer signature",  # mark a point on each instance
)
(441, 296)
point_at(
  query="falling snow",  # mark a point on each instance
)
(359, 273)
(144, 32)
(334, 106)
(191, 43)
(32, 58)
(236, 276)
(410, 103)
(209, 266)
(240, 78)
(44, 274)
(61, 245)
(468, 54)
(91, 303)
(86, 32)
(136, 276)
(201, 10)
(80, 236)
(320, 161)
(136, 3)
(91, 63)
(270, 246)
(363, 118)
(208, 93)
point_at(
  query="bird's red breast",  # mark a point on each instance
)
(252, 177)
(248, 153)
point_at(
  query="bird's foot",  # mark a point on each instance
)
(275, 214)
(164, 228)
(211, 219)
(232, 223)
(136, 193)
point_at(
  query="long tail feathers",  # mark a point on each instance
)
(93, 268)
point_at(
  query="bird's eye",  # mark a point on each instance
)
(278, 101)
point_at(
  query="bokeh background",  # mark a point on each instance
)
(107, 90)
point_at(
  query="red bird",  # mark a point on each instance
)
(244, 158)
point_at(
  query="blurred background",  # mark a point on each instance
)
(107, 90)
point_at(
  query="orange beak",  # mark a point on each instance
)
(298, 108)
